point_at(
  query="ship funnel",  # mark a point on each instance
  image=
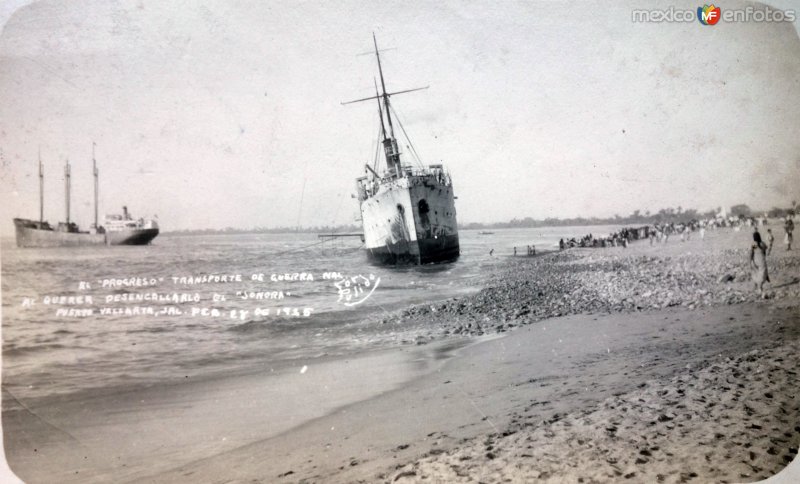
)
(41, 190)
(95, 172)
(67, 176)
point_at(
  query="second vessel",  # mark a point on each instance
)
(118, 229)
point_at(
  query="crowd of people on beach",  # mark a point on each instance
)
(621, 238)
(661, 232)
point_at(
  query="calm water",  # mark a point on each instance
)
(45, 353)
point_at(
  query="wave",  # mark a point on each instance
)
(279, 324)
(152, 330)
(251, 326)
(27, 350)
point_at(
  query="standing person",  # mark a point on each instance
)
(770, 241)
(789, 227)
(758, 263)
(515, 251)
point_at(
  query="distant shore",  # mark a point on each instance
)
(654, 363)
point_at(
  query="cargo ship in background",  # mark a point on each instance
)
(118, 229)
(408, 212)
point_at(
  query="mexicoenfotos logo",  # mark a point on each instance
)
(708, 14)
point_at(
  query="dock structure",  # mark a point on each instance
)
(334, 241)
(341, 235)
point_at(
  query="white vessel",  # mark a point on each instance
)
(124, 230)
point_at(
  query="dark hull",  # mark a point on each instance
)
(131, 237)
(30, 235)
(411, 220)
(424, 251)
(41, 238)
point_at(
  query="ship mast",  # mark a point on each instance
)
(41, 190)
(96, 184)
(67, 173)
(380, 111)
(389, 141)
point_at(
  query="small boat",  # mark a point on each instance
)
(485, 233)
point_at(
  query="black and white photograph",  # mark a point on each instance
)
(461, 241)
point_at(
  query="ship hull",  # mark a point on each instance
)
(29, 235)
(39, 238)
(445, 249)
(131, 237)
(411, 220)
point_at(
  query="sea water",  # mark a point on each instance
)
(200, 325)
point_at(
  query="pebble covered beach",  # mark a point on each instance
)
(644, 277)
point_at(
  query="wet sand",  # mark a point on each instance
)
(130, 433)
(701, 388)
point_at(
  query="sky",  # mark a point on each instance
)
(228, 114)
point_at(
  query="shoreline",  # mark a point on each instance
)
(125, 433)
(449, 413)
(410, 409)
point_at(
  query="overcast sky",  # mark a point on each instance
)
(215, 114)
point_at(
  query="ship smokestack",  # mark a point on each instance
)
(41, 190)
(94, 170)
(67, 172)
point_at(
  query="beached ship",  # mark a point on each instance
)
(119, 229)
(408, 212)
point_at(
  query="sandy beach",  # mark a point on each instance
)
(647, 364)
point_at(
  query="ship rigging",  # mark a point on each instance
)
(408, 214)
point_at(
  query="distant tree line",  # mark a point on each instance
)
(665, 215)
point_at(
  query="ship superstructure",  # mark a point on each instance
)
(125, 230)
(407, 212)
